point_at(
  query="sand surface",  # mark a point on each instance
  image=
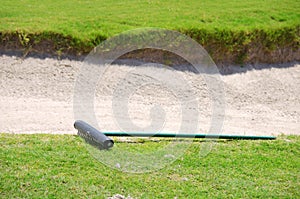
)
(37, 97)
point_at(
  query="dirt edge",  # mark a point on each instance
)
(253, 51)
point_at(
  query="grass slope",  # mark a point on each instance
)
(87, 19)
(223, 27)
(59, 166)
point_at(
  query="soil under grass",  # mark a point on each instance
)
(59, 166)
(232, 31)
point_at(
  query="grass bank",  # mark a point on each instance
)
(59, 166)
(232, 31)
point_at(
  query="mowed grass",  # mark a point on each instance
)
(90, 19)
(232, 31)
(59, 166)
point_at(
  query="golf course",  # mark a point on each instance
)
(46, 45)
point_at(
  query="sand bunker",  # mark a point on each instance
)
(37, 97)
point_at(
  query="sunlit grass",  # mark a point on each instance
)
(60, 166)
(86, 19)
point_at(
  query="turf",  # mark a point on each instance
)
(59, 166)
(88, 19)
(233, 31)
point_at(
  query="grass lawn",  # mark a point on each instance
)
(232, 31)
(86, 19)
(59, 166)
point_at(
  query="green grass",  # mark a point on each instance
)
(59, 166)
(233, 30)
(87, 19)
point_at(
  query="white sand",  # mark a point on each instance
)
(37, 97)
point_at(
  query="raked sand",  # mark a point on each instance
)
(37, 97)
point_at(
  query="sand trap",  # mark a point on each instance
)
(37, 97)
